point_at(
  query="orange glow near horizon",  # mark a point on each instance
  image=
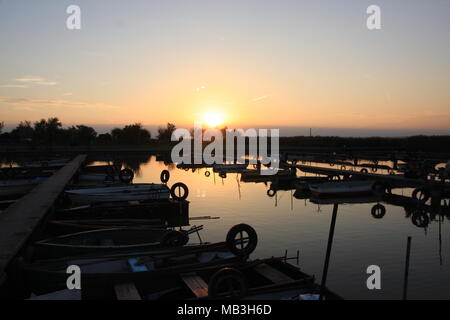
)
(213, 118)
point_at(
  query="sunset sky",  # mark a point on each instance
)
(250, 62)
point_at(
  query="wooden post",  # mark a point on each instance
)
(405, 281)
(327, 257)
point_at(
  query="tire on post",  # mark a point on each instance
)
(174, 238)
(180, 196)
(227, 278)
(165, 176)
(242, 246)
(126, 175)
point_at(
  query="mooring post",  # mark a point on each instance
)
(405, 281)
(327, 257)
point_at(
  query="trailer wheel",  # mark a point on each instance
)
(421, 194)
(207, 173)
(180, 196)
(165, 176)
(244, 244)
(271, 193)
(364, 170)
(174, 239)
(126, 175)
(227, 283)
(378, 211)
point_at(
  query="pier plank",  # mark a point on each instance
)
(127, 291)
(272, 274)
(20, 219)
(196, 284)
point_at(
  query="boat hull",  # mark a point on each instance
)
(135, 192)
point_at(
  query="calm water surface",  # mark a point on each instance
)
(286, 223)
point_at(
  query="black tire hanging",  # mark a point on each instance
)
(421, 194)
(271, 193)
(364, 170)
(420, 219)
(165, 176)
(207, 173)
(179, 186)
(378, 211)
(174, 239)
(227, 276)
(126, 175)
(232, 242)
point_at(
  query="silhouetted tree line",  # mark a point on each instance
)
(50, 132)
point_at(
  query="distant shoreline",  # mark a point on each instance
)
(415, 144)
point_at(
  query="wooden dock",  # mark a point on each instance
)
(21, 219)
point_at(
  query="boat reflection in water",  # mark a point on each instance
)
(291, 212)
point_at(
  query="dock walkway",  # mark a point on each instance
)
(19, 220)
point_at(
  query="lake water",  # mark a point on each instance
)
(286, 223)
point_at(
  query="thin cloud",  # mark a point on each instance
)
(24, 102)
(259, 98)
(19, 86)
(200, 88)
(34, 80)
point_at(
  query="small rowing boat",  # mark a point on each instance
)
(342, 188)
(18, 186)
(229, 167)
(133, 192)
(157, 266)
(62, 227)
(110, 240)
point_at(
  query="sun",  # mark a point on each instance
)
(213, 119)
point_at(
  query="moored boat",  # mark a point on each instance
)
(158, 265)
(62, 227)
(229, 167)
(140, 191)
(262, 279)
(18, 186)
(51, 163)
(109, 240)
(342, 188)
